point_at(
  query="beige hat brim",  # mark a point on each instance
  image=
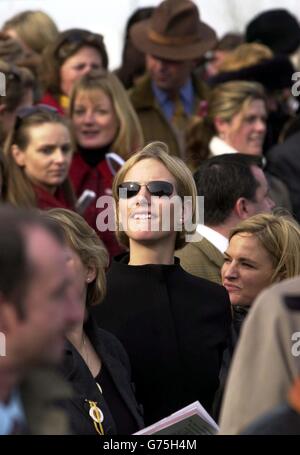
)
(205, 41)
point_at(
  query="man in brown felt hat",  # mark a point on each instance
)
(173, 39)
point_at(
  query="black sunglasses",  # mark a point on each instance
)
(159, 188)
(78, 38)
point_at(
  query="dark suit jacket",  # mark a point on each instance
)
(284, 163)
(113, 356)
(174, 327)
(202, 259)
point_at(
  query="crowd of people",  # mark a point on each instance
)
(123, 293)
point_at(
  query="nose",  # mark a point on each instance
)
(88, 117)
(143, 197)
(271, 203)
(59, 156)
(260, 125)
(229, 270)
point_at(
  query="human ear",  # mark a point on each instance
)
(221, 126)
(90, 274)
(18, 155)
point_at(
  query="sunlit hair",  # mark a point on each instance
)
(129, 137)
(247, 54)
(19, 190)
(67, 44)
(185, 184)
(279, 235)
(85, 242)
(35, 28)
(225, 101)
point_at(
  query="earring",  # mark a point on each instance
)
(88, 280)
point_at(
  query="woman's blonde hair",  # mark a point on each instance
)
(185, 184)
(129, 137)
(18, 189)
(280, 236)
(86, 243)
(225, 101)
(247, 54)
(35, 28)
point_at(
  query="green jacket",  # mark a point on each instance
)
(153, 121)
(202, 259)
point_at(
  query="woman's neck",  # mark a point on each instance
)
(141, 254)
(76, 336)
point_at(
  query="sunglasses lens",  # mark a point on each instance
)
(160, 188)
(126, 190)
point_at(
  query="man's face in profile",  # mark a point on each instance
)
(50, 306)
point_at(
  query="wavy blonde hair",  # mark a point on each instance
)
(129, 138)
(280, 236)
(86, 243)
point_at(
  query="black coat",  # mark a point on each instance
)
(284, 163)
(115, 359)
(174, 327)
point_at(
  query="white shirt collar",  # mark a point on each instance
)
(218, 147)
(11, 412)
(214, 237)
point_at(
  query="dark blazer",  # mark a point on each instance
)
(75, 370)
(202, 259)
(174, 327)
(283, 161)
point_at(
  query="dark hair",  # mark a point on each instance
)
(65, 46)
(222, 180)
(133, 60)
(15, 269)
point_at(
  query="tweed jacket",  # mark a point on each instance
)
(153, 121)
(202, 259)
(41, 393)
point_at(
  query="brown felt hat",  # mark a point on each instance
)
(174, 32)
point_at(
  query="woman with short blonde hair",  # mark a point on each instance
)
(262, 250)
(185, 184)
(161, 313)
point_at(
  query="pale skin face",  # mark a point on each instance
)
(47, 158)
(95, 119)
(142, 212)
(246, 131)
(50, 306)
(263, 202)
(247, 269)
(87, 58)
(169, 75)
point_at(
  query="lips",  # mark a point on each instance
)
(231, 287)
(142, 216)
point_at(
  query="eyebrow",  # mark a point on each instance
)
(241, 258)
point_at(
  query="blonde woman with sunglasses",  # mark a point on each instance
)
(173, 325)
